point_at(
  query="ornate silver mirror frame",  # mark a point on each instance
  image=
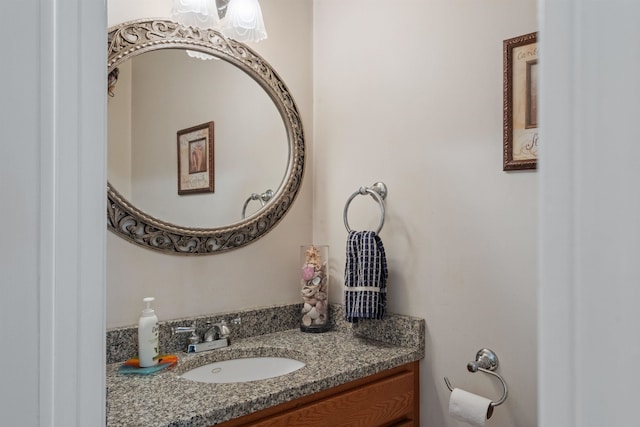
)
(124, 219)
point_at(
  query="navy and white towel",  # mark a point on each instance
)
(365, 277)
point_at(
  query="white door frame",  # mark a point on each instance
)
(588, 317)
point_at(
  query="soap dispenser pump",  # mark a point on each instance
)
(148, 348)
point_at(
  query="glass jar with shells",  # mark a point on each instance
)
(315, 288)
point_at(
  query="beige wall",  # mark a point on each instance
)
(161, 103)
(262, 274)
(119, 131)
(410, 93)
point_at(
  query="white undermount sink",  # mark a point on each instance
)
(243, 370)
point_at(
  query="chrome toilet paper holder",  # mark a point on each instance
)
(487, 362)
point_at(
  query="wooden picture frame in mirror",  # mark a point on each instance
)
(196, 173)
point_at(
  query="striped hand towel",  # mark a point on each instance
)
(365, 277)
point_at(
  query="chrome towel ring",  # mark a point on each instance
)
(379, 193)
(487, 362)
(262, 198)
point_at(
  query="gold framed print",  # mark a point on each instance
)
(520, 101)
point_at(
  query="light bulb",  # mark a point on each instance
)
(243, 21)
(196, 13)
(200, 55)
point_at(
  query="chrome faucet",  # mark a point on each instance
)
(216, 331)
(216, 336)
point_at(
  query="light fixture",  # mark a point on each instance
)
(200, 55)
(243, 21)
(240, 20)
(196, 13)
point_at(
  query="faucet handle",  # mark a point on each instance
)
(183, 329)
(224, 329)
(193, 338)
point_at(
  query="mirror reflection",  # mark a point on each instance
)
(162, 92)
(250, 140)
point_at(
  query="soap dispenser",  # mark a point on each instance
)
(148, 348)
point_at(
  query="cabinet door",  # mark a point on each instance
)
(387, 399)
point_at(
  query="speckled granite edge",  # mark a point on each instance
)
(394, 329)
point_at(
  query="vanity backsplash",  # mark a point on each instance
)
(394, 329)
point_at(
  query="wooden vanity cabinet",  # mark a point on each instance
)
(388, 398)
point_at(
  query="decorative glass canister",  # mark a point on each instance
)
(315, 288)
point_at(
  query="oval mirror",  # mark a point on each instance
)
(205, 155)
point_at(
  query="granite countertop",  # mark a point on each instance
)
(166, 400)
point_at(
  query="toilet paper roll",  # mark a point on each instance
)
(469, 407)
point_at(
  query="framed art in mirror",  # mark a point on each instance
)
(195, 159)
(520, 102)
